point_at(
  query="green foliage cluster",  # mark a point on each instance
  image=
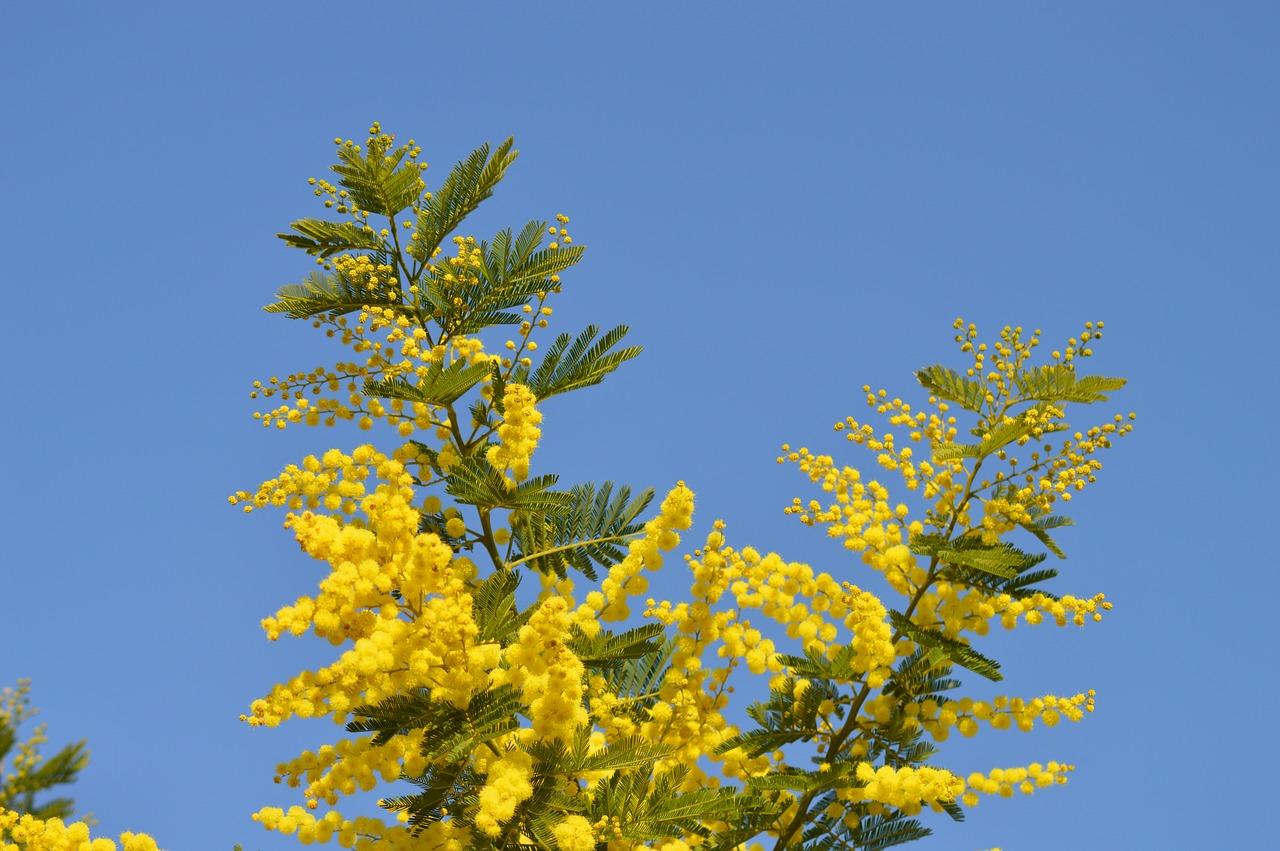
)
(24, 773)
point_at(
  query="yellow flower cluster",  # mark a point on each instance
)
(786, 592)
(789, 593)
(862, 514)
(688, 715)
(575, 834)
(422, 635)
(351, 766)
(548, 673)
(961, 504)
(940, 477)
(1003, 781)
(334, 481)
(1050, 475)
(518, 434)
(363, 832)
(906, 789)
(938, 718)
(609, 604)
(954, 608)
(404, 352)
(27, 833)
(399, 601)
(509, 784)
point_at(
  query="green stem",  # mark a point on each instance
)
(576, 544)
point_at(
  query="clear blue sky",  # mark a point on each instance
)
(784, 201)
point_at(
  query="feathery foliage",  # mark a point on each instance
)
(27, 775)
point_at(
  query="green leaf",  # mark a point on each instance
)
(449, 785)
(62, 767)
(757, 742)
(1041, 524)
(1021, 587)
(919, 677)
(322, 238)
(927, 545)
(474, 481)
(951, 451)
(493, 606)
(999, 560)
(798, 780)
(1058, 383)
(449, 732)
(591, 531)
(1013, 429)
(471, 181)
(756, 815)
(815, 664)
(639, 679)
(949, 648)
(583, 364)
(689, 810)
(379, 180)
(516, 268)
(996, 560)
(608, 650)
(332, 293)
(954, 387)
(626, 753)
(8, 735)
(885, 831)
(442, 385)
(507, 278)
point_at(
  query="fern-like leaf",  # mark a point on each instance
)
(637, 680)
(379, 180)
(591, 531)
(950, 648)
(1040, 525)
(319, 294)
(474, 481)
(493, 606)
(954, 387)
(1059, 383)
(606, 649)
(568, 366)
(885, 831)
(951, 451)
(624, 754)
(322, 238)
(450, 732)
(442, 385)
(469, 183)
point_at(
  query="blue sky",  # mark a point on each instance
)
(784, 201)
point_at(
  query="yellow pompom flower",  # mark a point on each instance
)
(575, 834)
(509, 784)
(548, 673)
(28, 833)
(660, 533)
(518, 434)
